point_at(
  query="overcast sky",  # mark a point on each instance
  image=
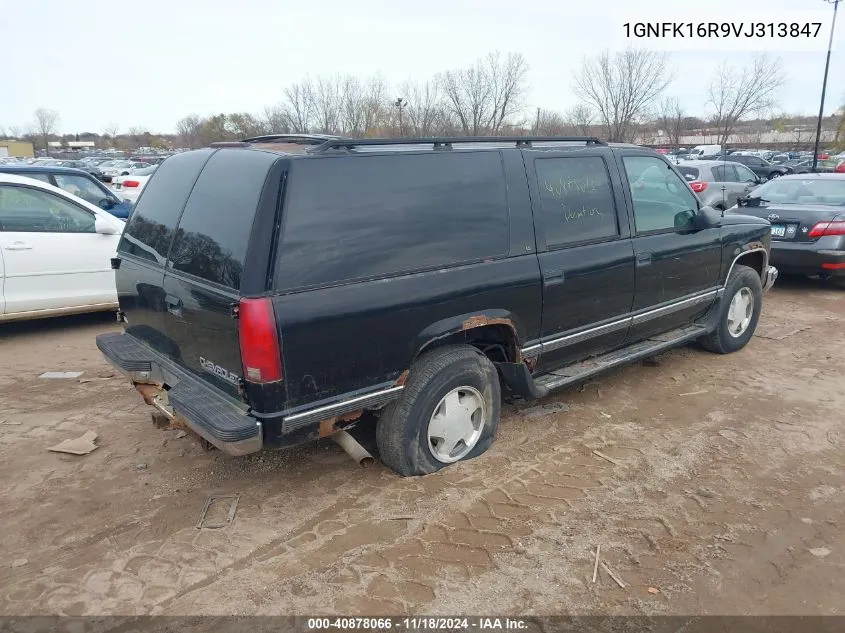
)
(150, 63)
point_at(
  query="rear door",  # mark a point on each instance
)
(585, 252)
(205, 268)
(145, 244)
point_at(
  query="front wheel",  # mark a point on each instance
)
(739, 312)
(774, 174)
(448, 412)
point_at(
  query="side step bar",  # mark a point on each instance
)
(578, 372)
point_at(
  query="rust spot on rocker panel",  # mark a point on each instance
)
(330, 425)
(403, 378)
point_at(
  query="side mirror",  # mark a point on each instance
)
(685, 221)
(106, 203)
(104, 227)
(705, 218)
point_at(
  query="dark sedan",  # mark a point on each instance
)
(760, 166)
(807, 213)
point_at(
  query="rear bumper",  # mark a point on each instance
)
(770, 276)
(807, 259)
(221, 420)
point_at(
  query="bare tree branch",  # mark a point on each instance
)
(46, 121)
(670, 119)
(485, 96)
(622, 87)
(579, 120)
(736, 94)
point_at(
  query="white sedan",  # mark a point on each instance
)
(55, 252)
(129, 187)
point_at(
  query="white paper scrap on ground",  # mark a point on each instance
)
(61, 374)
(78, 446)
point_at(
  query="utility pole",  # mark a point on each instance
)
(400, 105)
(537, 124)
(824, 87)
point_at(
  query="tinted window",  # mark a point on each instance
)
(577, 199)
(28, 210)
(690, 173)
(214, 230)
(348, 218)
(154, 219)
(657, 192)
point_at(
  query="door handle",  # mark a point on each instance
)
(643, 259)
(18, 246)
(552, 278)
(174, 305)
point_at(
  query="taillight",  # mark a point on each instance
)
(837, 227)
(130, 183)
(698, 186)
(260, 353)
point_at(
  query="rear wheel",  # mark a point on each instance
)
(738, 314)
(448, 412)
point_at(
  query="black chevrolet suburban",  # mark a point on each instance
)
(285, 288)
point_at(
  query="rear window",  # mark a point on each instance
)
(154, 218)
(213, 234)
(690, 173)
(357, 217)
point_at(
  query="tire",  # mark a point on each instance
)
(470, 380)
(775, 174)
(723, 339)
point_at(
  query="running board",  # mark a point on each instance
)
(577, 372)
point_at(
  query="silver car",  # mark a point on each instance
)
(719, 184)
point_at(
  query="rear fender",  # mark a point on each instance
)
(461, 327)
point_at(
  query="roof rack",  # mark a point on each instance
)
(446, 142)
(294, 139)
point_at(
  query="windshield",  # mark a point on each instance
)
(801, 191)
(144, 171)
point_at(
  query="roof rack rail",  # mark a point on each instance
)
(446, 142)
(300, 139)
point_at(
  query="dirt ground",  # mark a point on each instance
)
(725, 494)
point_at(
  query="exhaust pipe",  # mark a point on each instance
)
(353, 448)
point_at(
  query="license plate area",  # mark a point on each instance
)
(778, 230)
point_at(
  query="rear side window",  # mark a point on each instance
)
(577, 200)
(213, 234)
(690, 173)
(154, 218)
(356, 217)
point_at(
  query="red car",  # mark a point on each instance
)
(840, 167)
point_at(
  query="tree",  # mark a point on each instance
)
(622, 87)
(188, 130)
(671, 119)
(299, 105)
(550, 123)
(326, 104)
(737, 93)
(485, 96)
(579, 119)
(425, 107)
(46, 121)
(276, 120)
(14, 131)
